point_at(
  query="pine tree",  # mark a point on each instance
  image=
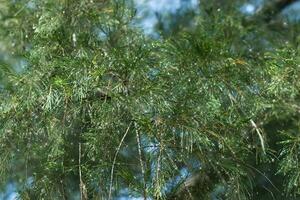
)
(92, 108)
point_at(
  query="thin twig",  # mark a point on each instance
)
(158, 167)
(79, 168)
(141, 163)
(114, 161)
(259, 135)
(252, 123)
(21, 9)
(261, 173)
(83, 192)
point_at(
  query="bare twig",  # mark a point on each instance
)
(141, 163)
(253, 124)
(259, 135)
(158, 166)
(83, 191)
(114, 161)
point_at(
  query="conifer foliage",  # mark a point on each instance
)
(92, 108)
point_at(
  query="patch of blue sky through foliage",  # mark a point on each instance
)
(148, 10)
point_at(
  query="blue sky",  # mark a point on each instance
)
(147, 9)
(9, 194)
(293, 12)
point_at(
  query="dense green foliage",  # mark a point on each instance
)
(90, 107)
